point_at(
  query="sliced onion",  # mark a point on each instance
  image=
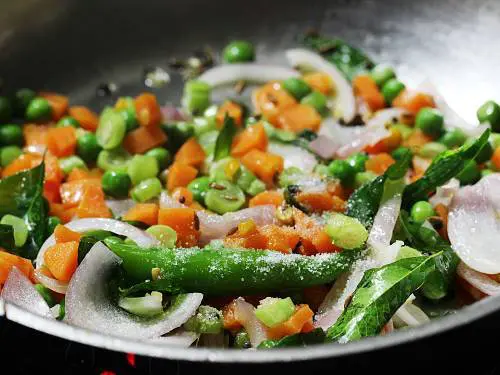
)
(388, 328)
(344, 95)
(53, 284)
(369, 137)
(478, 280)
(245, 313)
(166, 201)
(324, 146)
(294, 156)
(385, 116)
(179, 337)
(226, 74)
(119, 207)
(445, 193)
(327, 319)
(172, 113)
(19, 291)
(410, 315)
(474, 224)
(88, 303)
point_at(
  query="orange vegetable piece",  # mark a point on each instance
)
(379, 163)
(253, 137)
(416, 140)
(147, 110)
(92, 203)
(64, 234)
(319, 81)
(233, 110)
(35, 135)
(8, 260)
(365, 87)
(144, 138)
(282, 239)
(22, 163)
(190, 153)
(62, 259)
(72, 192)
(64, 213)
(312, 237)
(388, 144)
(299, 118)
(271, 99)
(78, 174)
(251, 240)
(51, 191)
(144, 212)
(263, 164)
(58, 103)
(495, 159)
(85, 117)
(184, 221)
(413, 101)
(229, 317)
(53, 171)
(180, 175)
(61, 141)
(316, 201)
(303, 314)
(273, 197)
(182, 195)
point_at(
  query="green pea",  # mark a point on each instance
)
(453, 138)
(381, 73)
(242, 340)
(196, 97)
(316, 100)
(470, 174)
(223, 196)
(116, 184)
(68, 121)
(46, 293)
(163, 233)
(398, 153)
(71, 162)
(490, 112)
(142, 167)
(11, 134)
(421, 211)
(238, 51)
(290, 176)
(87, 147)
(146, 190)
(342, 170)
(256, 187)
(114, 160)
(22, 99)
(362, 178)
(431, 150)
(484, 154)
(296, 87)
(391, 89)
(5, 109)
(430, 121)
(111, 130)
(19, 226)
(199, 187)
(38, 110)
(405, 130)
(161, 155)
(8, 154)
(52, 223)
(357, 161)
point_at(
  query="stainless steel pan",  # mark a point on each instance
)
(73, 46)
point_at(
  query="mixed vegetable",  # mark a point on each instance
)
(326, 202)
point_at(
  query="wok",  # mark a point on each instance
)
(73, 46)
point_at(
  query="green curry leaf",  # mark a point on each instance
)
(225, 139)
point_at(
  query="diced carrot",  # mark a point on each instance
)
(144, 138)
(22, 163)
(7, 261)
(413, 101)
(147, 110)
(58, 103)
(35, 135)
(323, 243)
(233, 110)
(299, 118)
(85, 117)
(182, 195)
(416, 140)
(272, 197)
(316, 201)
(93, 203)
(312, 237)
(336, 189)
(61, 141)
(51, 191)
(64, 213)
(379, 163)
(53, 171)
(303, 315)
(184, 221)
(44, 270)
(72, 192)
(282, 239)
(180, 175)
(252, 240)
(308, 327)
(387, 144)
(229, 317)
(62, 260)
(495, 159)
(196, 206)
(365, 87)
(254, 137)
(264, 165)
(319, 81)
(190, 153)
(144, 212)
(271, 99)
(315, 295)
(64, 234)
(78, 174)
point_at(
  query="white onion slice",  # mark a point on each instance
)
(53, 284)
(327, 319)
(294, 156)
(474, 224)
(410, 315)
(324, 146)
(245, 313)
(179, 337)
(226, 74)
(119, 207)
(478, 280)
(172, 113)
(369, 136)
(384, 116)
(166, 201)
(88, 304)
(19, 291)
(444, 194)
(344, 95)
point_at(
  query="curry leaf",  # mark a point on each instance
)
(225, 139)
(316, 336)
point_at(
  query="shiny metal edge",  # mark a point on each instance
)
(84, 336)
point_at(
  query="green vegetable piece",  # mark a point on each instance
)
(130, 118)
(196, 97)
(163, 233)
(408, 252)
(116, 184)
(290, 176)
(207, 141)
(38, 110)
(46, 293)
(207, 320)
(421, 211)
(87, 147)
(5, 109)
(379, 294)
(346, 232)
(242, 340)
(342, 170)
(115, 160)
(68, 121)
(71, 162)
(431, 150)
(52, 223)
(199, 187)
(296, 87)
(453, 138)
(362, 178)
(226, 271)
(238, 51)
(19, 226)
(357, 161)
(22, 99)
(470, 174)
(203, 125)
(111, 130)
(490, 112)
(486, 172)
(391, 89)
(400, 152)
(223, 196)
(405, 130)
(382, 73)
(225, 139)
(484, 154)
(146, 190)
(316, 100)
(148, 306)
(316, 336)
(322, 170)
(430, 121)
(11, 134)
(8, 154)
(256, 187)
(218, 169)
(161, 155)
(142, 167)
(495, 140)
(273, 311)
(245, 178)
